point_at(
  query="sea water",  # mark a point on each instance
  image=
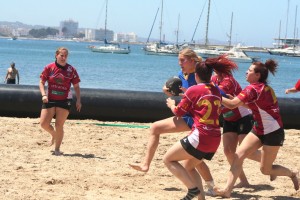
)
(135, 71)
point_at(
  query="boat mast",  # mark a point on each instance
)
(230, 30)
(105, 40)
(295, 27)
(287, 19)
(177, 31)
(192, 40)
(279, 34)
(152, 25)
(161, 21)
(207, 22)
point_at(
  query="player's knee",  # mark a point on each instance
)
(229, 151)
(44, 125)
(154, 129)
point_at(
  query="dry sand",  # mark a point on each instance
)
(95, 164)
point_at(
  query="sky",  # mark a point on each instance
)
(255, 22)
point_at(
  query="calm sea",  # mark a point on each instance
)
(135, 71)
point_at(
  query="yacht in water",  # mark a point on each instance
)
(161, 48)
(109, 47)
(235, 54)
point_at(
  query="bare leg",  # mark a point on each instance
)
(205, 173)
(188, 175)
(169, 125)
(61, 117)
(250, 144)
(45, 122)
(269, 154)
(230, 142)
(296, 179)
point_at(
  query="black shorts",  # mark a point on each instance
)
(66, 104)
(275, 138)
(11, 81)
(241, 126)
(195, 152)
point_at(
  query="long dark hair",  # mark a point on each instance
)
(264, 68)
(221, 65)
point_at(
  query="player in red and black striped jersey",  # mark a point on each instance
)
(58, 99)
(267, 132)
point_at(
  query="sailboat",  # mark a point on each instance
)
(161, 48)
(235, 53)
(287, 46)
(109, 47)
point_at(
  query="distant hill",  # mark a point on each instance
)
(15, 25)
(20, 25)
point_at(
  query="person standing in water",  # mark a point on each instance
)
(12, 74)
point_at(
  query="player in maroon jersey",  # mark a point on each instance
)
(203, 102)
(187, 60)
(57, 99)
(294, 89)
(237, 122)
(267, 132)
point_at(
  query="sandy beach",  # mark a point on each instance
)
(95, 164)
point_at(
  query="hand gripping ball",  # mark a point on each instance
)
(174, 84)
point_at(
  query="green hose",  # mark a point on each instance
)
(118, 125)
(124, 125)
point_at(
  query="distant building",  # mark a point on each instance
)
(126, 37)
(68, 28)
(286, 42)
(99, 34)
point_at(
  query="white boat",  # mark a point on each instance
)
(161, 49)
(235, 54)
(109, 47)
(280, 51)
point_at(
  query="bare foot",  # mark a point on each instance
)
(57, 153)
(295, 179)
(242, 185)
(273, 177)
(222, 193)
(140, 168)
(52, 141)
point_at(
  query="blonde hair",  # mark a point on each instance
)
(61, 49)
(191, 54)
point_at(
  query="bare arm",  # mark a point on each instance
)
(43, 92)
(232, 103)
(166, 91)
(171, 104)
(291, 90)
(78, 96)
(18, 77)
(6, 77)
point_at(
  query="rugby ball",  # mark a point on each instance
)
(174, 84)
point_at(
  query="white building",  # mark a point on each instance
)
(126, 37)
(68, 28)
(99, 34)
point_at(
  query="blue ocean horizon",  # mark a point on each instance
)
(135, 71)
